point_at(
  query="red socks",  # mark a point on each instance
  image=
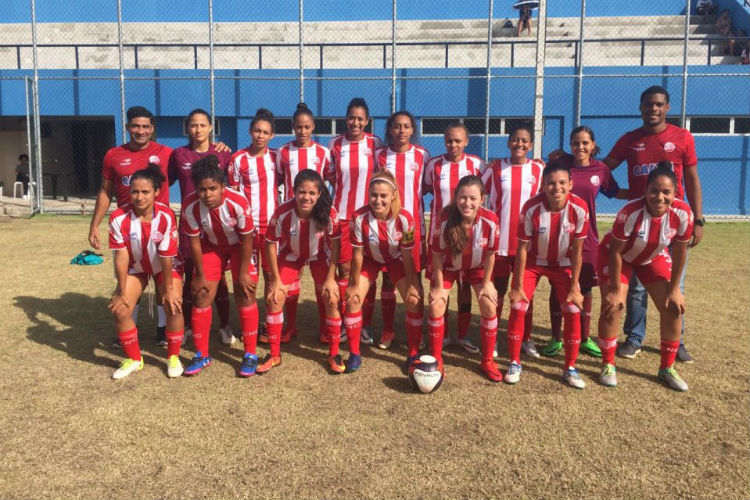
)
(413, 331)
(249, 326)
(516, 324)
(668, 352)
(436, 329)
(572, 334)
(388, 308)
(353, 322)
(222, 303)
(333, 330)
(608, 348)
(201, 321)
(174, 342)
(129, 343)
(274, 323)
(488, 335)
(368, 306)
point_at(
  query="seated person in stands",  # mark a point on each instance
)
(706, 8)
(738, 45)
(724, 28)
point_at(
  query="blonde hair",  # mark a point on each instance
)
(385, 177)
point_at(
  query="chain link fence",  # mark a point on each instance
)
(72, 76)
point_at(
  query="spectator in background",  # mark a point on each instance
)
(22, 172)
(724, 28)
(738, 45)
(706, 8)
(745, 54)
(524, 19)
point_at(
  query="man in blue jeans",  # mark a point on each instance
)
(643, 148)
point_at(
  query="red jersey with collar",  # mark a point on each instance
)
(220, 226)
(647, 236)
(441, 177)
(181, 166)
(291, 159)
(121, 162)
(301, 240)
(382, 240)
(643, 151)
(483, 239)
(349, 173)
(255, 177)
(145, 242)
(508, 187)
(408, 169)
(549, 233)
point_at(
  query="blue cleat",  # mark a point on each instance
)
(198, 363)
(249, 364)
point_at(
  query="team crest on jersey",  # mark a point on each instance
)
(414, 166)
(398, 235)
(134, 236)
(367, 151)
(595, 181)
(669, 147)
(568, 228)
(373, 238)
(671, 233)
(125, 179)
(482, 242)
(232, 222)
(157, 236)
(532, 179)
(316, 161)
(154, 159)
(622, 217)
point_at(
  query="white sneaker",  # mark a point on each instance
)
(174, 366)
(468, 345)
(529, 349)
(513, 375)
(573, 379)
(127, 367)
(188, 333)
(226, 336)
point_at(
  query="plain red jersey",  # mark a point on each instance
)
(145, 242)
(549, 233)
(508, 187)
(291, 159)
(121, 162)
(643, 152)
(408, 169)
(382, 240)
(441, 177)
(484, 235)
(647, 236)
(255, 177)
(220, 226)
(351, 167)
(301, 240)
(181, 166)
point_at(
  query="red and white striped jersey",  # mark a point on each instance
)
(441, 177)
(408, 169)
(255, 177)
(508, 187)
(551, 234)
(483, 239)
(382, 240)
(301, 240)
(350, 171)
(146, 242)
(647, 236)
(291, 159)
(221, 226)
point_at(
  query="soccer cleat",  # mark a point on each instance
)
(608, 376)
(365, 336)
(226, 335)
(268, 363)
(248, 366)
(571, 376)
(490, 368)
(552, 348)
(386, 339)
(198, 363)
(683, 356)
(513, 375)
(161, 335)
(673, 379)
(288, 334)
(174, 366)
(627, 350)
(353, 363)
(127, 367)
(188, 333)
(336, 364)
(468, 345)
(589, 347)
(529, 349)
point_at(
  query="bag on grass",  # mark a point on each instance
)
(87, 258)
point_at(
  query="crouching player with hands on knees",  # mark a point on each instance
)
(220, 227)
(306, 230)
(143, 238)
(551, 229)
(642, 231)
(464, 242)
(382, 237)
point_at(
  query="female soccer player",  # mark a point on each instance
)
(153, 229)
(180, 166)
(383, 236)
(220, 228)
(406, 162)
(464, 242)
(300, 154)
(509, 183)
(306, 230)
(441, 178)
(590, 177)
(642, 231)
(552, 227)
(352, 163)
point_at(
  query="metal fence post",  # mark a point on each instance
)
(211, 67)
(579, 90)
(123, 122)
(393, 57)
(39, 192)
(541, 41)
(488, 85)
(301, 48)
(683, 108)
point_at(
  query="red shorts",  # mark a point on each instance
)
(289, 271)
(470, 277)
(559, 278)
(215, 260)
(158, 277)
(259, 251)
(503, 266)
(659, 269)
(345, 254)
(394, 268)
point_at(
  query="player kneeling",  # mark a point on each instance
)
(143, 238)
(642, 231)
(464, 243)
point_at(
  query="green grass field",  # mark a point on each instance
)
(298, 432)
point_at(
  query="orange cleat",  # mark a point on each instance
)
(268, 363)
(492, 371)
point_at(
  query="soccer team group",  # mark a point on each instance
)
(354, 209)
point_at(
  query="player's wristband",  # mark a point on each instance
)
(700, 222)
